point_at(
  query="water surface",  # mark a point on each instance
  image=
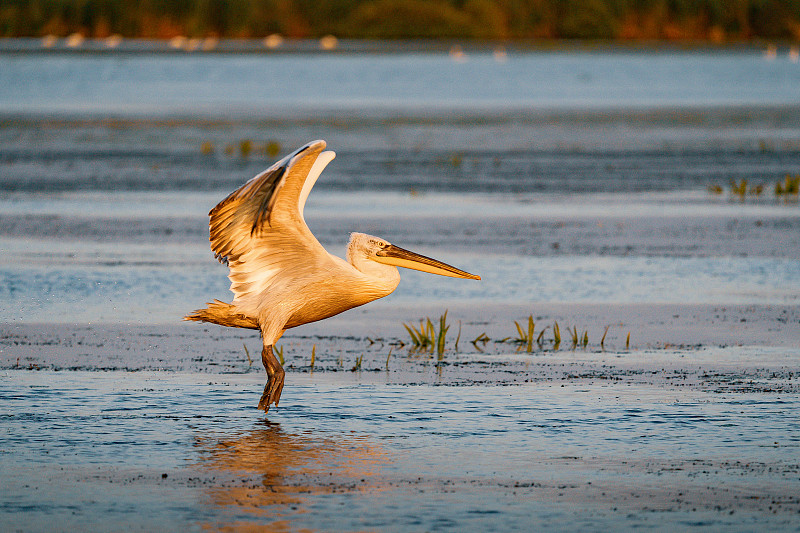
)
(575, 184)
(216, 84)
(343, 455)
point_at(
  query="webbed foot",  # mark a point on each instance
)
(272, 391)
(275, 376)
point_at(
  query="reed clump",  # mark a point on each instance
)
(527, 337)
(428, 337)
(246, 148)
(787, 188)
(431, 336)
(741, 189)
(577, 338)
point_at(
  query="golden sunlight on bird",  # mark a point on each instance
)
(281, 276)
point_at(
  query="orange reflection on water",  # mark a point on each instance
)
(268, 475)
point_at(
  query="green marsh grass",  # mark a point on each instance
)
(540, 338)
(273, 148)
(482, 339)
(603, 340)
(739, 189)
(357, 366)
(556, 335)
(789, 187)
(574, 334)
(426, 337)
(247, 353)
(579, 338)
(526, 335)
(431, 336)
(387, 358)
(245, 147)
(422, 337)
(442, 335)
(279, 351)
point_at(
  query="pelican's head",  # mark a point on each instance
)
(362, 246)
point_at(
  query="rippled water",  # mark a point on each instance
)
(140, 291)
(350, 455)
(528, 250)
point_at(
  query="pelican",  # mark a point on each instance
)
(281, 276)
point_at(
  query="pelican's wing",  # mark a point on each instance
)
(259, 230)
(271, 201)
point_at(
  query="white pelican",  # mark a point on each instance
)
(281, 276)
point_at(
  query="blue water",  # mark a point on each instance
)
(140, 278)
(400, 82)
(93, 449)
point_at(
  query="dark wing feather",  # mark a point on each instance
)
(240, 217)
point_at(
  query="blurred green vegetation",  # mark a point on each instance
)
(704, 20)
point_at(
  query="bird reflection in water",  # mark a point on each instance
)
(269, 476)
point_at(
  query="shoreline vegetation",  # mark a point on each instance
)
(714, 22)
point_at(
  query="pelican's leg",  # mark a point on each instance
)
(275, 375)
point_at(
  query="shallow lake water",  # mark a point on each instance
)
(219, 84)
(95, 450)
(576, 184)
(592, 248)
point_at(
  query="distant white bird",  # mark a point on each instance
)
(281, 276)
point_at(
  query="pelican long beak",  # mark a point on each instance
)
(396, 256)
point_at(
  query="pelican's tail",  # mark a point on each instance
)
(224, 315)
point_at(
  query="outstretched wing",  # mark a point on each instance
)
(259, 230)
(274, 197)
